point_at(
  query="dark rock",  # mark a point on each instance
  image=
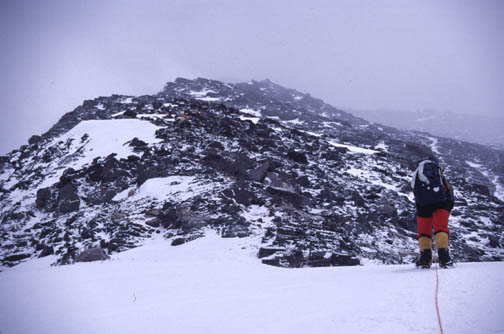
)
(494, 241)
(233, 231)
(16, 257)
(130, 114)
(216, 145)
(178, 241)
(118, 217)
(92, 254)
(67, 205)
(481, 189)
(344, 260)
(46, 251)
(42, 196)
(417, 151)
(169, 217)
(243, 196)
(272, 262)
(295, 258)
(320, 259)
(137, 143)
(357, 198)
(146, 173)
(153, 212)
(267, 251)
(34, 140)
(241, 165)
(86, 234)
(68, 192)
(335, 154)
(387, 210)
(153, 222)
(297, 157)
(297, 200)
(259, 173)
(303, 181)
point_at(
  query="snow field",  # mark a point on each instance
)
(106, 137)
(215, 285)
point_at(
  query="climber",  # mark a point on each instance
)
(434, 201)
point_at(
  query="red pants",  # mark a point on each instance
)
(439, 219)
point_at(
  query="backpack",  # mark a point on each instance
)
(429, 184)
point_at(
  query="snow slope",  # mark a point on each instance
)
(215, 285)
(99, 138)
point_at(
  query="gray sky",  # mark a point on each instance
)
(444, 55)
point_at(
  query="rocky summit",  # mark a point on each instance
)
(309, 184)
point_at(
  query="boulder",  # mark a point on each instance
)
(237, 230)
(297, 157)
(241, 165)
(46, 251)
(153, 223)
(153, 212)
(243, 196)
(481, 189)
(267, 251)
(178, 241)
(130, 114)
(297, 200)
(68, 205)
(92, 254)
(259, 173)
(344, 260)
(42, 196)
(16, 257)
(303, 181)
(34, 140)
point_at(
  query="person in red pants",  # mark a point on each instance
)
(434, 201)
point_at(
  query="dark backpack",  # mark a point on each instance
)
(429, 184)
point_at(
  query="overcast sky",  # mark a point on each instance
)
(411, 55)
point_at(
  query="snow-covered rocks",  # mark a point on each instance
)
(319, 185)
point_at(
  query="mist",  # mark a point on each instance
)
(362, 55)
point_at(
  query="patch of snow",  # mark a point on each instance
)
(208, 99)
(119, 113)
(153, 116)
(473, 164)
(174, 187)
(295, 121)
(252, 119)
(254, 213)
(100, 106)
(312, 133)
(370, 177)
(353, 149)
(253, 112)
(215, 285)
(434, 145)
(106, 137)
(202, 95)
(499, 189)
(127, 100)
(382, 146)
(330, 124)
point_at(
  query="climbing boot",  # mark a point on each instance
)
(445, 260)
(442, 249)
(425, 258)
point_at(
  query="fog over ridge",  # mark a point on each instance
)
(358, 55)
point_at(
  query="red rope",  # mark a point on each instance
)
(437, 305)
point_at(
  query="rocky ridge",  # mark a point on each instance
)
(314, 185)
